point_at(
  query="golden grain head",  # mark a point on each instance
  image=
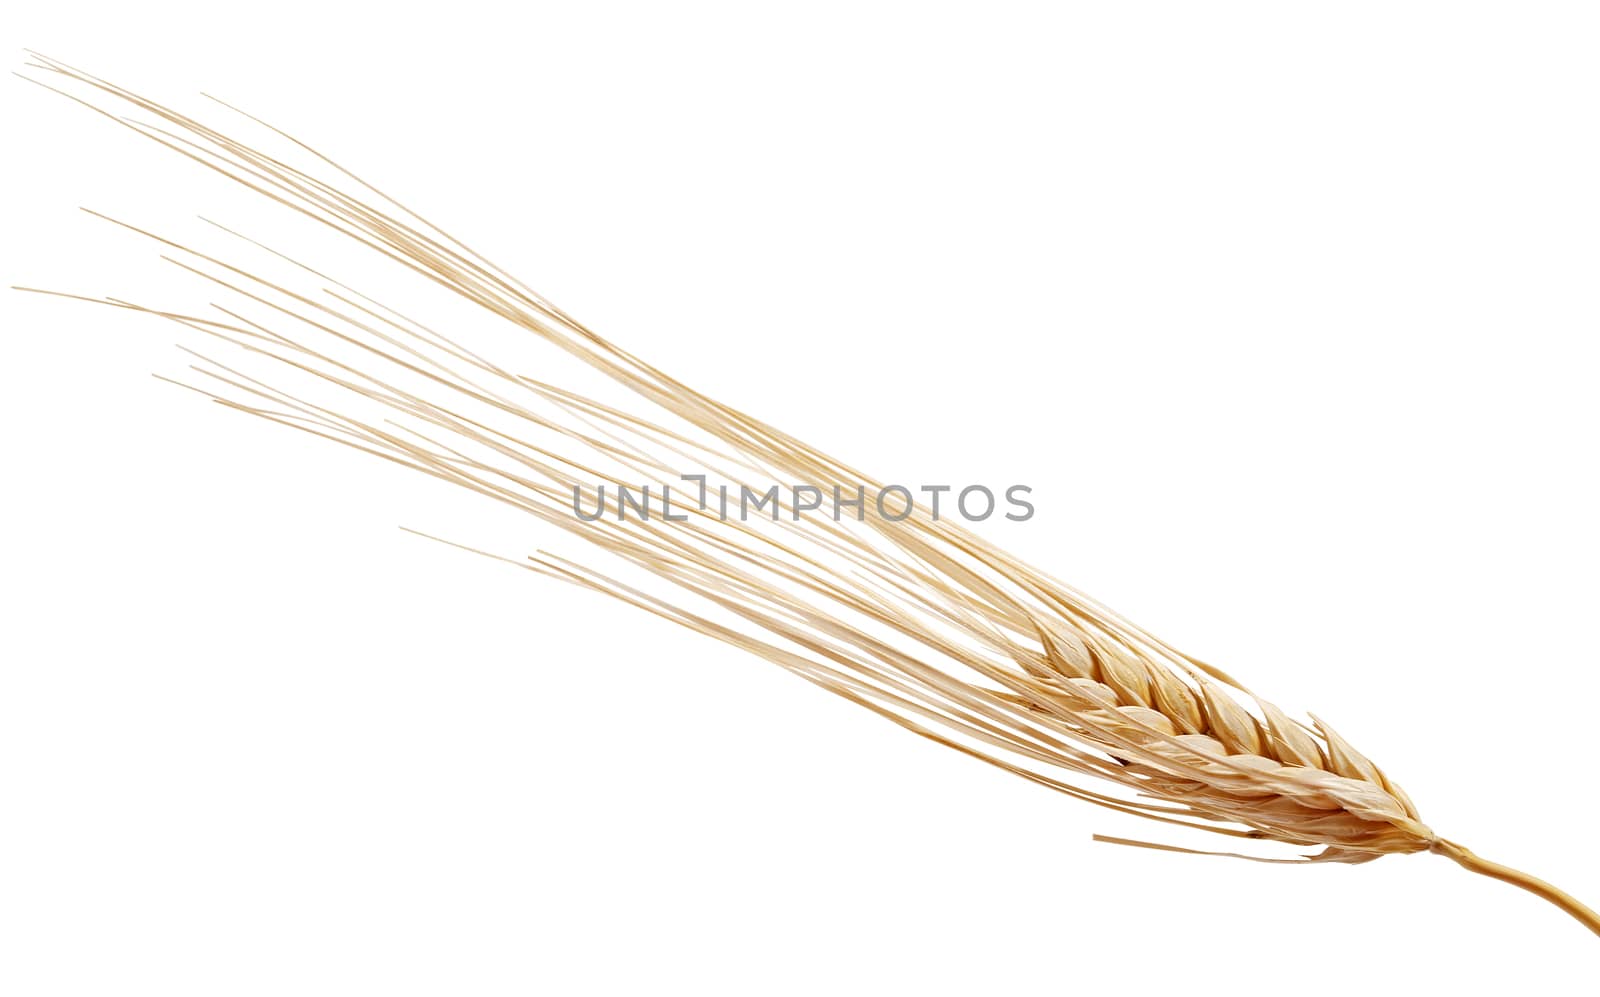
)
(918, 620)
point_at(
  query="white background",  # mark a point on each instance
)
(1287, 313)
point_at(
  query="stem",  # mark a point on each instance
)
(1494, 870)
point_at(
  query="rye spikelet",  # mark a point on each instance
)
(917, 619)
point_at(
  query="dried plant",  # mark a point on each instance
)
(918, 620)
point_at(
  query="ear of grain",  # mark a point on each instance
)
(918, 620)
